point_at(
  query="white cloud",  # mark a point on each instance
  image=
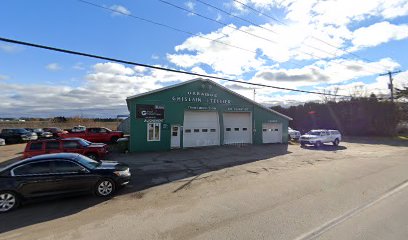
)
(190, 5)
(4, 77)
(377, 34)
(10, 48)
(112, 68)
(79, 66)
(120, 10)
(103, 92)
(53, 67)
(219, 17)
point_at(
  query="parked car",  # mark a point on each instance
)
(59, 174)
(40, 132)
(2, 142)
(94, 151)
(55, 131)
(293, 134)
(95, 134)
(17, 135)
(78, 128)
(321, 136)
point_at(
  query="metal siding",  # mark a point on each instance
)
(174, 114)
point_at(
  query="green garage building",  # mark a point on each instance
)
(200, 113)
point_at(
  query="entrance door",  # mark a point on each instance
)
(175, 136)
(237, 127)
(201, 129)
(272, 132)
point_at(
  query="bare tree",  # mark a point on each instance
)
(330, 95)
(358, 91)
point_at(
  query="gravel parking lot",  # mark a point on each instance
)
(180, 177)
(155, 168)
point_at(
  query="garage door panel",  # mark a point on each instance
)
(272, 133)
(201, 129)
(237, 128)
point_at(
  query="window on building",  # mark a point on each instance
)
(264, 130)
(228, 129)
(244, 129)
(236, 129)
(196, 130)
(204, 130)
(276, 129)
(212, 130)
(187, 131)
(153, 131)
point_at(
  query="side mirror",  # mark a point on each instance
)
(83, 170)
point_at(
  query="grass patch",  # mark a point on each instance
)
(403, 138)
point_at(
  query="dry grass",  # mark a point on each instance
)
(403, 137)
(63, 125)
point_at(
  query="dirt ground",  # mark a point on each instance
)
(169, 185)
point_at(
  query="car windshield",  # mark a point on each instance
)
(21, 130)
(84, 142)
(316, 133)
(87, 162)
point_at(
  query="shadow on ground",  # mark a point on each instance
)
(325, 147)
(377, 140)
(148, 170)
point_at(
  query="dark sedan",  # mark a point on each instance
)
(59, 174)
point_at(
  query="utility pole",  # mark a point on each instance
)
(390, 85)
(254, 94)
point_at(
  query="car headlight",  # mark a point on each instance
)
(124, 173)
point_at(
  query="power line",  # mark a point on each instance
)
(318, 39)
(177, 29)
(214, 20)
(157, 68)
(257, 25)
(251, 34)
(165, 26)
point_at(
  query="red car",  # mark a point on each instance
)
(71, 145)
(55, 131)
(95, 134)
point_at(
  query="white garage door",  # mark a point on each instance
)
(201, 129)
(237, 128)
(272, 132)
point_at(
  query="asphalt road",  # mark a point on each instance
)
(356, 192)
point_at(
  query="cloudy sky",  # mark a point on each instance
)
(306, 44)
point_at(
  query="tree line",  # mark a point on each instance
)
(354, 117)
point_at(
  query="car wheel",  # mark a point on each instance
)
(8, 201)
(114, 139)
(318, 144)
(302, 144)
(336, 142)
(92, 156)
(105, 188)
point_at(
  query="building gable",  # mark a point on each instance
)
(203, 92)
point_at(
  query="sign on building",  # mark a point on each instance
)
(147, 111)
